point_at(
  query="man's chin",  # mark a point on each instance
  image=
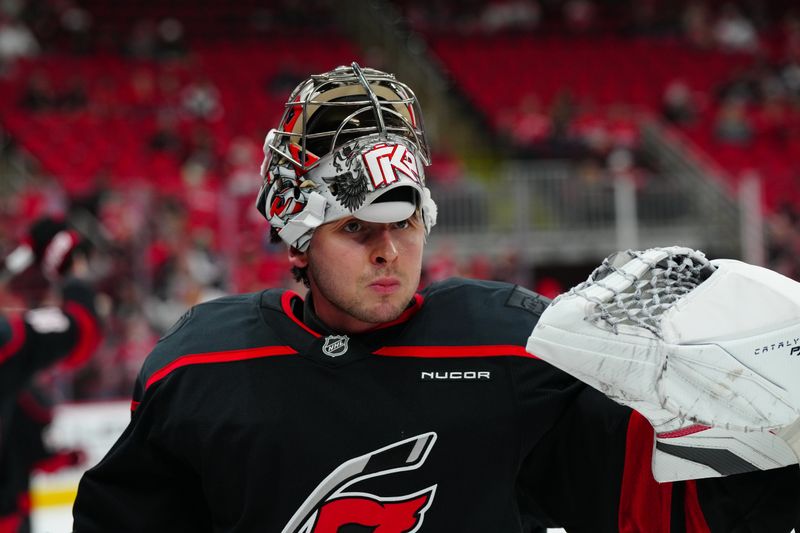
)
(381, 312)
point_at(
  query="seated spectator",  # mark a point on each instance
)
(16, 41)
(528, 125)
(732, 125)
(579, 15)
(734, 32)
(38, 94)
(142, 41)
(500, 15)
(622, 126)
(678, 105)
(562, 113)
(771, 121)
(141, 92)
(170, 43)
(201, 100)
(167, 138)
(77, 23)
(696, 25)
(73, 97)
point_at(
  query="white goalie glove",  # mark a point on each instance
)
(707, 351)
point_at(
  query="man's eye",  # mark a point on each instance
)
(352, 227)
(402, 224)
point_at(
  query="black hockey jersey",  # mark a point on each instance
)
(38, 338)
(245, 419)
(30, 342)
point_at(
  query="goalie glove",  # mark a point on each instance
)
(707, 351)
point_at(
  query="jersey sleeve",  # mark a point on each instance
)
(140, 485)
(41, 337)
(592, 472)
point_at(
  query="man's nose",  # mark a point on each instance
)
(385, 248)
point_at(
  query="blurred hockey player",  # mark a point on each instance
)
(369, 405)
(33, 338)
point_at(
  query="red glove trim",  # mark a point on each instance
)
(644, 503)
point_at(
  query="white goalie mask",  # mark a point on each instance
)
(350, 143)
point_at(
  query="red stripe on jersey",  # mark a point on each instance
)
(88, 336)
(644, 504)
(218, 357)
(134, 405)
(454, 351)
(697, 428)
(695, 521)
(13, 345)
(286, 304)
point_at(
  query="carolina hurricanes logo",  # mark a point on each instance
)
(330, 506)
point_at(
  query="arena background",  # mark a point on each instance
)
(562, 130)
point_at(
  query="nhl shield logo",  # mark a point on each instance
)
(335, 345)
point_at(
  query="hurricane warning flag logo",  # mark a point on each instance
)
(330, 506)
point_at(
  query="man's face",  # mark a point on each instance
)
(363, 273)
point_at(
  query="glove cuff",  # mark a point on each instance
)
(697, 451)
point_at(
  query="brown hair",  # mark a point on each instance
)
(300, 274)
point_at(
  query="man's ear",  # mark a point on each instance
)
(297, 258)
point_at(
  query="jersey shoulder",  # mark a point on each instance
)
(227, 324)
(482, 312)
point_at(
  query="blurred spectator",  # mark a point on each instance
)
(696, 24)
(562, 113)
(647, 19)
(579, 15)
(170, 43)
(527, 125)
(732, 125)
(790, 75)
(501, 15)
(142, 40)
(16, 41)
(591, 128)
(168, 92)
(77, 23)
(678, 105)
(791, 30)
(104, 97)
(623, 128)
(201, 153)
(167, 138)
(200, 99)
(734, 32)
(38, 94)
(783, 243)
(142, 96)
(771, 121)
(74, 97)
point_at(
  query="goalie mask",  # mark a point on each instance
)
(350, 143)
